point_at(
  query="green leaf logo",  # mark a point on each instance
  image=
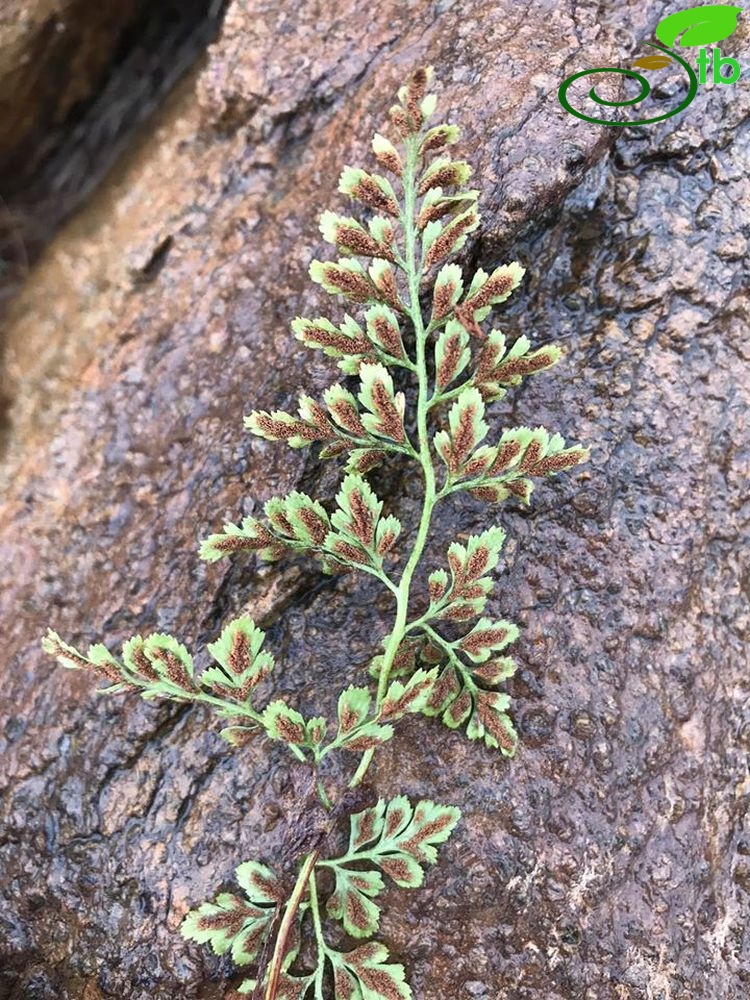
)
(699, 25)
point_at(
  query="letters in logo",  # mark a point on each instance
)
(698, 27)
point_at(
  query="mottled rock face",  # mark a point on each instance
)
(54, 56)
(608, 860)
(52, 53)
(76, 78)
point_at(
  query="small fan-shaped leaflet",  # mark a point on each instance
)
(370, 424)
(393, 838)
(380, 340)
(486, 291)
(355, 535)
(466, 430)
(346, 342)
(360, 536)
(235, 924)
(156, 666)
(358, 731)
(366, 974)
(444, 221)
(385, 408)
(499, 367)
(350, 236)
(449, 285)
(462, 594)
(242, 663)
(506, 470)
(460, 695)
(295, 523)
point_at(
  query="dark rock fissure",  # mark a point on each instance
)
(48, 168)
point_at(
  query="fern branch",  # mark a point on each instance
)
(413, 273)
(406, 236)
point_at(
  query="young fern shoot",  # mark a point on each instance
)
(419, 313)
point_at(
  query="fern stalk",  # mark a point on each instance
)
(413, 277)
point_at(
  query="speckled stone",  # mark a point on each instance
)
(608, 860)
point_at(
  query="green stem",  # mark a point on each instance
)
(323, 794)
(320, 940)
(232, 708)
(413, 273)
(448, 395)
(453, 658)
(440, 641)
(402, 449)
(292, 906)
(236, 709)
(351, 857)
(378, 574)
(361, 771)
(430, 613)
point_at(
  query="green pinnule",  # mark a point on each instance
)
(421, 314)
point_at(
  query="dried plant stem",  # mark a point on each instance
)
(290, 914)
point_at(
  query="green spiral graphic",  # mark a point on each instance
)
(645, 91)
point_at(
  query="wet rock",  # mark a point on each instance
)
(608, 858)
(76, 79)
(52, 54)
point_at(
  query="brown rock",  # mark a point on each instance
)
(52, 53)
(591, 867)
(76, 78)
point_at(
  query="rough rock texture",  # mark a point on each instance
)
(608, 860)
(52, 52)
(76, 77)
(53, 55)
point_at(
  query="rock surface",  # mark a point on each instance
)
(608, 860)
(76, 78)
(52, 54)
